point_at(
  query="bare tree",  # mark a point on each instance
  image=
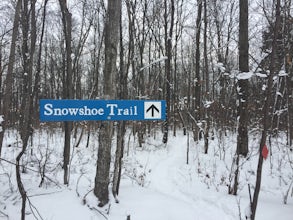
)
(121, 126)
(289, 69)
(266, 108)
(242, 138)
(36, 88)
(197, 80)
(207, 80)
(28, 24)
(67, 83)
(106, 128)
(242, 117)
(9, 76)
(168, 69)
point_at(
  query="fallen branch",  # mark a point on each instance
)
(5, 215)
(32, 207)
(101, 213)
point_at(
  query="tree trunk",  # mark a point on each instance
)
(9, 76)
(67, 85)
(118, 158)
(242, 117)
(207, 79)
(290, 108)
(197, 91)
(106, 129)
(266, 111)
(102, 178)
(36, 88)
(197, 80)
(242, 138)
(121, 127)
(27, 99)
(289, 70)
(168, 45)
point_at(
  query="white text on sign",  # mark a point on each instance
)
(85, 110)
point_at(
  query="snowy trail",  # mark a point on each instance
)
(169, 177)
(175, 190)
(171, 189)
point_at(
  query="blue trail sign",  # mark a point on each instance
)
(98, 110)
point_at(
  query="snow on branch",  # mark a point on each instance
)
(152, 63)
(1, 120)
(244, 75)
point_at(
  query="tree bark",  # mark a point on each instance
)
(242, 138)
(67, 85)
(121, 126)
(266, 110)
(106, 130)
(242, 116)
(36, 88)
(168, 45)
(197, 80)
(28, 22)
(9, 77)
(207, 79)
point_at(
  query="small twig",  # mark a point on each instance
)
(32, 207)
(9, 180)
(44, 194)
(156, 145)
(250, 199)
(101, 213)
(70, 162)
(239, 209)
(76, 189)
(2, 213)
(84, 197)
(288, 192)
(109, 207)
(93, 208)
(76, 144)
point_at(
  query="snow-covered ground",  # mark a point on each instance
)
(157, 183)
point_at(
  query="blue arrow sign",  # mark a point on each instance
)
(101, 110)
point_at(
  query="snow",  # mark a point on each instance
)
(282, 73)
(153, 62)
(220, 66)
(1, 120)
(62, 205)
(207, 104)
(261, 75)
(244, 75)
(248, 212)
(157, 183)
(279, 94)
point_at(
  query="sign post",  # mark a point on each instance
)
(102, 110)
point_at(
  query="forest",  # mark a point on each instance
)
(224, 68)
